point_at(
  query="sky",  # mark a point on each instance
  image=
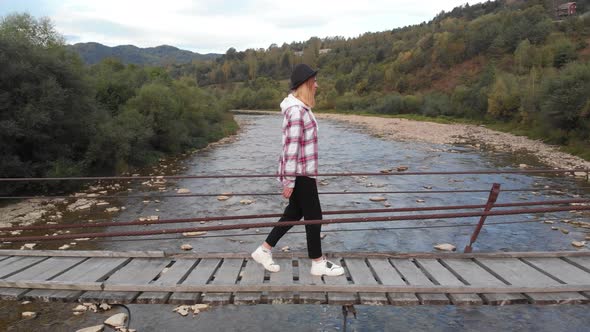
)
(213, 26)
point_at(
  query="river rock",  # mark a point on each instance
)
(117, 320)
(112, 209)
(152, 218)
(420, 201)
(183, 191)
(96, 328)
(222, 198)
(182, 310)
(81, 204)
(29, 314)
(80, 307)
(193, 233)
(29, 246)
(378, 199)
(64, 247)
(578, 244)
(186, 246)
(445, 247)
(246, 201)
(285, 249)
(199, 307)
(564, 231)
(91, 306)
(402, 168)
(104, 306)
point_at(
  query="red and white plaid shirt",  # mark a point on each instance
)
(300, 142)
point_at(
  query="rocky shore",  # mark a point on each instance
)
(478, 136)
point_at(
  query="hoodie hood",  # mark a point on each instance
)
(291, 101)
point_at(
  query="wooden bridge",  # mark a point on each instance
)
(370, 278)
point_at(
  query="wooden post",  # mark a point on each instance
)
(494, 192)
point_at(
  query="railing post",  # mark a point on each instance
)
(494, 192)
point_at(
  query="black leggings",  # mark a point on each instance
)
(304, 202)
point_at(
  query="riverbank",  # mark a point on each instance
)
(479, 137)
(86, 203)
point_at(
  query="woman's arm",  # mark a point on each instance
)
(292, 146)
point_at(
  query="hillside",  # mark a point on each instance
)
(93, 53)
(511, 63)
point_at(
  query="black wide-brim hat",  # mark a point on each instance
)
(300, 74)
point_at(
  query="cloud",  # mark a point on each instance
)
(215, 26)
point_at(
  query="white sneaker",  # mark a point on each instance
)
(325, 267)
(264, 257)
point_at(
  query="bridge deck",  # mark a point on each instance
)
(371, 278)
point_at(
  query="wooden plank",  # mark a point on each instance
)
(414, 276)
(283, 277)
(42, 271)
(302, 254)
(83, 253)
(361, 274)
(93, 286)
(200, 275)
(172, 276)
(581, 262)
(227, 274)
(340, 298)
(372, 254)
(518, 273)
(252, 274)
(387, 275)
(444, 277)
(306, 278)
(16, 264)
(91, 270)
(138, 271)
(475, 275)
(562, 270)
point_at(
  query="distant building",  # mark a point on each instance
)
(566, 9)
(322, 51)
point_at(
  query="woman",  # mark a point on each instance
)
(298, 170)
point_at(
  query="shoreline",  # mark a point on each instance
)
(478, 136)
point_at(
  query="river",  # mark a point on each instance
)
(343, 148)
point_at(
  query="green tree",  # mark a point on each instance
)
(504, 98)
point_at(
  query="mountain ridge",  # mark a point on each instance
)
(93, 52)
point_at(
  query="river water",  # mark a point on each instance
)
(343, 148)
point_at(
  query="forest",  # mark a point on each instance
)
(60, 117)
(512, 65)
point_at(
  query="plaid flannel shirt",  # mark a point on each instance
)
(300, 145)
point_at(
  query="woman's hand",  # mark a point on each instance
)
(287, 192)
